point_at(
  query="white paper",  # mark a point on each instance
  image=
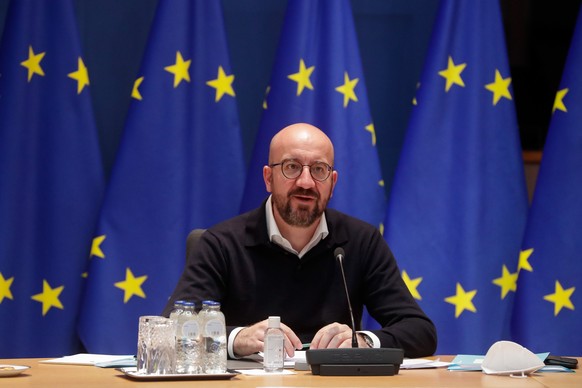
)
(422, 363)
(87, 359)
(289, 362)
(261, 372)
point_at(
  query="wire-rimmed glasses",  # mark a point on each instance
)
(292, 169)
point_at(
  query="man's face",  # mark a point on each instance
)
(300, 201)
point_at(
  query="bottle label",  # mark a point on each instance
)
(274, 347)
(190, 329)
(274, 351)
(212, 346)
(214, 328)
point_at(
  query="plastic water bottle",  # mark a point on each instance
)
(213, 352)
(274, 353)
(188, 341)
(177, 309)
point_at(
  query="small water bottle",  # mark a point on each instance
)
(274, 353)
(177, 309)
(213, 341)
(187, 341)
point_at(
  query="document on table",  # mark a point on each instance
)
(94, 360)
(299, 357)
(290, 361)
(261, 372)
(422, 363)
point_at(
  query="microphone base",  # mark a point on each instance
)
(355, 361)
(357, 370)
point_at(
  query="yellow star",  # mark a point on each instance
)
(302, 77)
(381, 228)
(561, 298)
(33, 63)
(347, 89)
(222, 84)
(370, 128)
(453, 74)
(81, 76)
(96, 247)
(179, 69)
(49, 297)
(414, 101)
(524, 260)
(135, 91)
(462, 300)
(5, 288)
(507, 281)
(265, 99)
(559, 101)
(412, 285)
(500, 87)
(131, 285)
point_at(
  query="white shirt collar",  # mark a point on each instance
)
(275, 235)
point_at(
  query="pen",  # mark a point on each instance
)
(305, 346)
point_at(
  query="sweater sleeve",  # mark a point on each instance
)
(203, 275)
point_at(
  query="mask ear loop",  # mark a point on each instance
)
(522, 376)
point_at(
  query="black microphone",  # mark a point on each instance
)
(353, 361)
(339, 255)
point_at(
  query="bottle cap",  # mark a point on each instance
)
(275, 322)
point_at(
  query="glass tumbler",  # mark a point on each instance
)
(156, 342)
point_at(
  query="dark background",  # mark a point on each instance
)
(393, 37)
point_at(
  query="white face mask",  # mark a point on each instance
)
(510, 358)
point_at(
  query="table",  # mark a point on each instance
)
(47, 375)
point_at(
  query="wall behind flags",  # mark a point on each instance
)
(393, 37)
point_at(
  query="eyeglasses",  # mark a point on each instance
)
(291, 169)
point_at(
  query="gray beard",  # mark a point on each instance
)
(301, 217)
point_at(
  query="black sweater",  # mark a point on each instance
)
(235, 264)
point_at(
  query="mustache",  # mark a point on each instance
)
(304, 192)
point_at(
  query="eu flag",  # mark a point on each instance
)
(457, 209)
(318, 79)
(51, 179)
(180, 166)
(548, 299)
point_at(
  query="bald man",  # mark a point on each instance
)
(279, 260)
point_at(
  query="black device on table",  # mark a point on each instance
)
(568, 362)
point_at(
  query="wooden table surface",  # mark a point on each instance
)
(48, 375)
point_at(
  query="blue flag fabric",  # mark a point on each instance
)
(180, 166)
(458, 205)
(318, 79)
(51, 179)
(548, 298)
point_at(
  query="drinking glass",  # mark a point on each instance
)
(156, 341)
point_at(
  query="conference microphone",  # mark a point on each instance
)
(353, 361)
(339, 256)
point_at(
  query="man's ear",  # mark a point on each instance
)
(333, 182)
(268, 177)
